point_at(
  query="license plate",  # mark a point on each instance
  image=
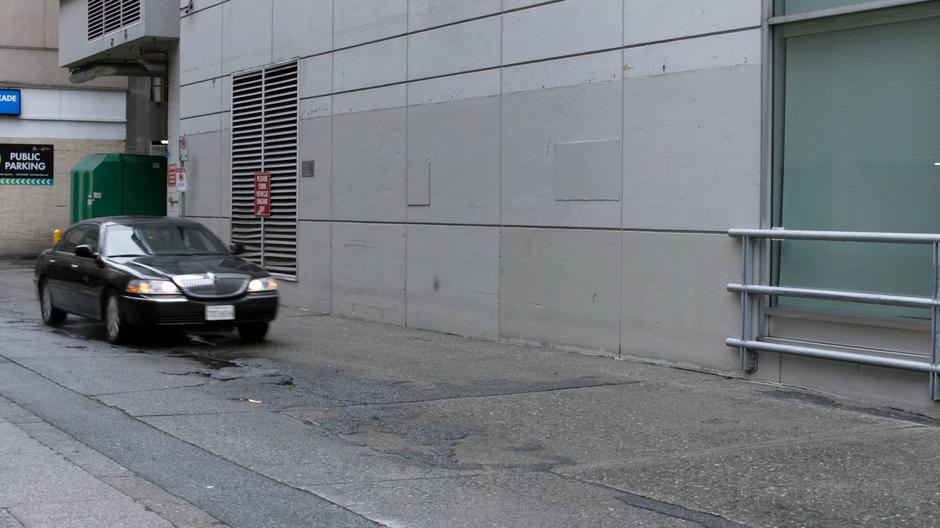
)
(224, 312)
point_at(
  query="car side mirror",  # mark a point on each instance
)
(236, 248)
(84, 251)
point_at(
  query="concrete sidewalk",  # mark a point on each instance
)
(47, 479)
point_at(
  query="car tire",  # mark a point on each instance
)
(51, 316)
(116, 327)
(253, 333)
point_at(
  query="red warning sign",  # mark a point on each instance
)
(262, 194)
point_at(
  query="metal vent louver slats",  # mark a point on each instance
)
(95, 19)
(264, 138)
(105, 16)
(130, 12)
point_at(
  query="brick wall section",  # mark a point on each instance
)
(28, 214)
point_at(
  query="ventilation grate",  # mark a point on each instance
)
(264, 138)
(105, 16)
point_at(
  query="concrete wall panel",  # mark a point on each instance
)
(201, 98)
(675, 306)
(651, 21)
(200, 54)
(316, 76)
(225, 183)
(198, 5)
(226, 83)
(368, 100)
(423, 14)
(314, 268)
(562, 28)
(51, 25)
(454, 87)
(692, 150)
(301, 28)
(451, 49)
(461, 140)
(561, 287)
(369, 166)
(359, 21)
(716, 51)
(204, 195)
(453, 279)
(370, 65)
(203, 124)
(369, 272)
(24, 23)
(572, 71)
(316, 145)
(533, 123)
(519, 4)
(246, 34)
(73, 105)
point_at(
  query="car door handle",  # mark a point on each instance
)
(51, 261)
(74, 266)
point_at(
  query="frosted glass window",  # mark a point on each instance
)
(860, 140)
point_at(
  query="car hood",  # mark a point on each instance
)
(167, 266)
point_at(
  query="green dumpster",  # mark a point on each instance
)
(118, 184)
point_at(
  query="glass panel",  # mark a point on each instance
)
(860, 142)
(789, 7)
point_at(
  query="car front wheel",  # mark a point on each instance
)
(51, 316)
(252, 333)
(115, 324)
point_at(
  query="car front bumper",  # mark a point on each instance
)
(183, 311)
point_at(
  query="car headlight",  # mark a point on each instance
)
(152, 287)
(264, 284)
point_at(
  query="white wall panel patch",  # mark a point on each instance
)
(587, 170)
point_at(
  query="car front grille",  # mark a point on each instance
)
(212, 285)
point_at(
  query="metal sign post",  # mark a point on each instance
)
(181, 182)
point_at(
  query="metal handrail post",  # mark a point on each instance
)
(935, 324)
(748, 357)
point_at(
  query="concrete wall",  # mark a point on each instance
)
(76, 120)
(558, 172)
(551, 172)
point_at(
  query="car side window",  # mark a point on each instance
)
(72, 238)
(91, 238)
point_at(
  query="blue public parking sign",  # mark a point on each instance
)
(10, 102)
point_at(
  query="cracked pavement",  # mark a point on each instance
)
(336, 422)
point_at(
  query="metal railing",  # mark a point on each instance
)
(749, 345)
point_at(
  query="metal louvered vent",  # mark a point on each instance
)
(264, 138)
(105, 16)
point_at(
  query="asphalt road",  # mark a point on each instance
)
(336, 422)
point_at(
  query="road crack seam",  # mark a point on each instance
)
(668, 509)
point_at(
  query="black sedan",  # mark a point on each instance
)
(153, 271)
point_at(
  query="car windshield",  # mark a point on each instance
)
(161, 239)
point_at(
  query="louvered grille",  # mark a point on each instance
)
(212, 286)
(264, 138)
(105, 16)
